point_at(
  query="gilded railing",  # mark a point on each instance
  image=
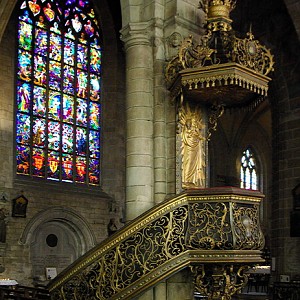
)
(204, 226)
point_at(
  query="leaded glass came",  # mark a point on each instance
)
(58, 91)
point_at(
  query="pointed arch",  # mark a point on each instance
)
(249, 170)
(58, 91)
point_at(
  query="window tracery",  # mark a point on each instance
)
(248, 171)
(58, 91)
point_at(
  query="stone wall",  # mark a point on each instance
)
(85, 211)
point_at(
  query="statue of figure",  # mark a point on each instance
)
(192, 148)
(111, 227)
(172, 45)
(3, 221)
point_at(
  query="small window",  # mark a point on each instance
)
(249, 177)
(58, 92)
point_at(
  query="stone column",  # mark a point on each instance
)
(159, 112)
(139, 115)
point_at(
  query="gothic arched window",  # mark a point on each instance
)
(58, 91)
(249, 177)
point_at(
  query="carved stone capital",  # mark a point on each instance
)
(136, 34)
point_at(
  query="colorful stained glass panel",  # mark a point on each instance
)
(39, 101)
(81, 141)
(69, 33)
(55, 47)
(58, 113)
(80, 169)
(68, 109)
(81, 56)
(24, 67)
(25, 17)
(81, 84)
(23, 129)
(49, 13)
(81, 112)
(38, 162)
(38, 129)
(67, 138)
(54, 135)
(54, 75)
(40, 22)
(89, 29)
(54, 105)
(95, 87)
(40, 70)
(23, 97)
(40, 42)
(94, 115)
(95, 43)
(67, 167)
(25, 35)
(55, 28)
(77, 25)
(68, 80)
(95, 60)
(82, 38)
(94, 172)
(94, 144)
(23, 160)
(69, 52)
(34, 7)
(53, 166)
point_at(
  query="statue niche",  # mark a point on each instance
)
(191, 132)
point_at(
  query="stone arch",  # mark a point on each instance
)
(65, 217)
(56, 237)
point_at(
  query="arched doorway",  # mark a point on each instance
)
(56, 238)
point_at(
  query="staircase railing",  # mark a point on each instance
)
(199, 227)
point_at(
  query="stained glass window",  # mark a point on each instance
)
(249, 178)
(58, 91)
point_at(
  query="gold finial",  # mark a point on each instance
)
(217, 8)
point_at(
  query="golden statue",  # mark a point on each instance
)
(192, 148)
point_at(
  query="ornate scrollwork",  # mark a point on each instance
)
(181, 231)
(190, 56)
(217, 110)
(130, 260)
(247, 227)
(220, 59)
(247, 52)
(251, 54)
(173, 68)
(210, 226)
(219, 281)
(196, 56)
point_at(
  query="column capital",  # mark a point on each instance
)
(136, 34)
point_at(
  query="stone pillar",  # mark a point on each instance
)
(159, 111)
(139, 115)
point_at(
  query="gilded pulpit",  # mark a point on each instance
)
(221, 72)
